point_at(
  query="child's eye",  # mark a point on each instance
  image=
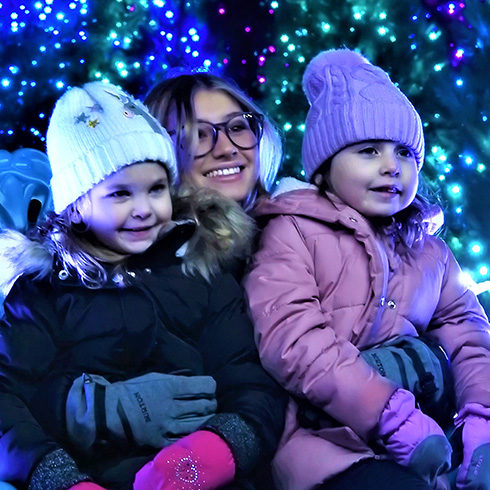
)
(118, 194)
(406, 152)
(156, 189)
(369, 150)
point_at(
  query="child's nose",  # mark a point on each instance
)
(390, 164)
(141, 207)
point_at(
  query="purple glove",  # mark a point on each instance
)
(412, 438)
(86, 486)
(199, 461)
(474, 472)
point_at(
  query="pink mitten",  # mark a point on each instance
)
(199, 461)
(412, 438)
(86, 486)
(474, 472)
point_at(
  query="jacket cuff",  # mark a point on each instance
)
(56, 471)
(241, 437)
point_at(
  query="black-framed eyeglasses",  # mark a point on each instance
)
(244, 130)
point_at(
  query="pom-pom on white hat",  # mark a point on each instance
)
(351, 101)
(94, 131)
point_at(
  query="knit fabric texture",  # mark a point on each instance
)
(352, 101)
(96, 130)
(240, 436)
(56, 470)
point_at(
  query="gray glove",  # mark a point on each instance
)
(154, 409)
(419, 366)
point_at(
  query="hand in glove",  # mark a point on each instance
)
(420, 366)
(154, 409)
(86, 486)
(412, 438)
(200, 461)
(474, 472)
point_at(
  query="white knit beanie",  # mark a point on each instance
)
(352, 101)
(94, 131)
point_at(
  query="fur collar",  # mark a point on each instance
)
(224, 235)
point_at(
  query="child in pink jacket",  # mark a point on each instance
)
(348, 262)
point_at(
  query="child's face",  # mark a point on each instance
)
(131, 207)
(226, 168)
(377, 178)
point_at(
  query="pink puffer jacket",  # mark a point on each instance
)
(322, 287)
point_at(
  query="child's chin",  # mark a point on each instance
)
(137, 248)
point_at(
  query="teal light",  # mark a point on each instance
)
(476, 248)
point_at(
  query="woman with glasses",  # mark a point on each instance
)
(225, 144)
(224, 141)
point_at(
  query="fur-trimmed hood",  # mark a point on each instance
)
(225, 233)
(224, 236)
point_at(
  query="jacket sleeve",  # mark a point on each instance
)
(297, 343)
(27, 352)
(461, 326)
(251, 405)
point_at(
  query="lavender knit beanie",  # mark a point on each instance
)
(351, 101)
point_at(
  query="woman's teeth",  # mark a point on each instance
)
(223, 171)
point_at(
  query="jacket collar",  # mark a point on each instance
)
(305, 200)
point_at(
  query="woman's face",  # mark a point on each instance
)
(226, 168)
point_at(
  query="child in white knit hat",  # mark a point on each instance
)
(346, 263)
(127, 358)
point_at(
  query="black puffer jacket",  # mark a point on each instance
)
(54, 329)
